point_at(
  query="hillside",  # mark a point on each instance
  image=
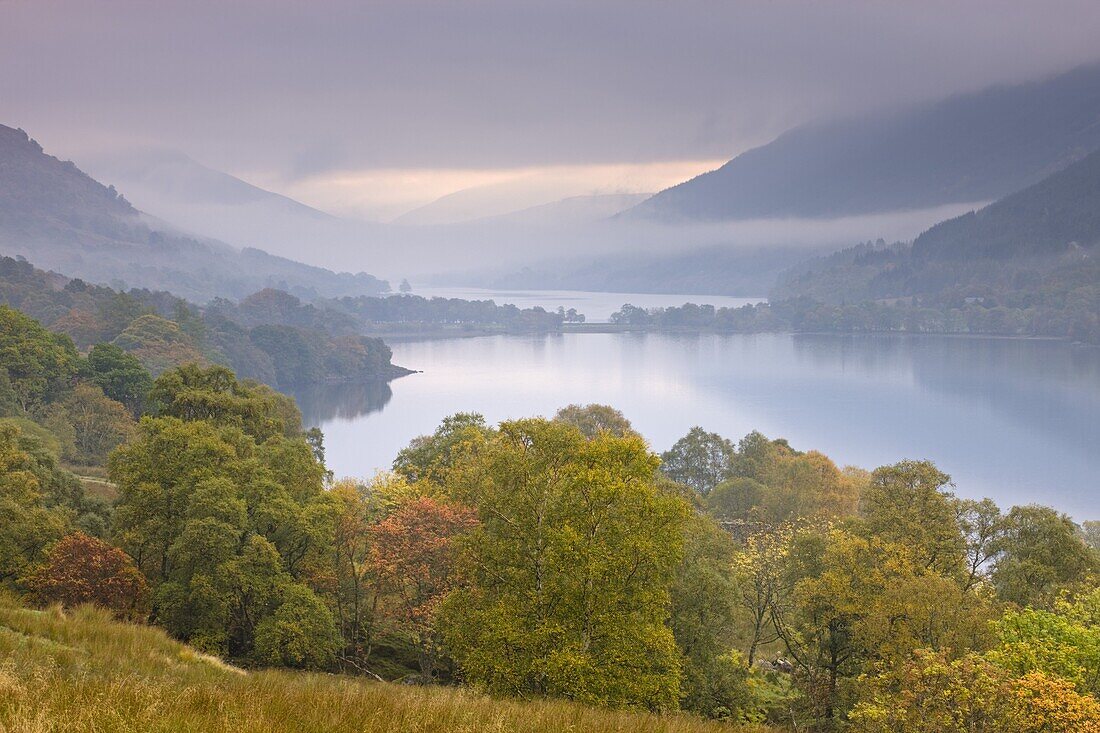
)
(60, 218)
(270, 336)
(972, 147)
(1028, 264)
(1050, 228)
(1052, 217)
(81, 671)
(573, 210)
(172, 186)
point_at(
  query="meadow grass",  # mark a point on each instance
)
(83, 671)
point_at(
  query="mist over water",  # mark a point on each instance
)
(1015, 420)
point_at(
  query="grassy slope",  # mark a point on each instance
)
(81, 671)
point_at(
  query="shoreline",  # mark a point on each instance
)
(611, 328)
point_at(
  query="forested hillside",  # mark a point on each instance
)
(282, 343)
(1058, 215)
(59, 218)
(969, 148)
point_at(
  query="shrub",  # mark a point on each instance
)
(82, 570)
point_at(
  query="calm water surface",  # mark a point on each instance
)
(1015, 420)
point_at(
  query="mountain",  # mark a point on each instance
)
(971, 147)
(1027, 264)
(1052, 217)
(573, 210)
(174, 187)
(484, 202)
(58, 217)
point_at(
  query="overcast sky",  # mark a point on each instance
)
(374, 107)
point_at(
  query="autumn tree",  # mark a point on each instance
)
(354, 585)
(569, 569)
(413, 553)
(983, 526)
(706, 624)
(159, 344)
(859, 602)
(934, 694)
(736, 501)
(1063, 643)
(1090, 531)
(300, 632)
(214, 394)
(84, 570)
(805, 485)
(763, 583)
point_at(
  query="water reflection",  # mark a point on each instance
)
(1012, 419)
(322, 403)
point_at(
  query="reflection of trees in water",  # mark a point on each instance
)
(322, 402)
(1045, 385)
(958, 358)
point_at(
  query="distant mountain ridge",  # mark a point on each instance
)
(970, 147)
(1037, 251)
(1048, 218)
(212, 203)
(60, 218)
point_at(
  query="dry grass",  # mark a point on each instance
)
(98, 487)
(84, 672)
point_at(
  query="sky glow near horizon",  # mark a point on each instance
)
(372, 109)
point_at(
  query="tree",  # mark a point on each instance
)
(705, 624)
(93, 424)
(214, 394)
(413, 553)
(594, 419)
(1057, 644)
(221, 525)
(120, 375)
(300, 633)
(1041, 552)
(982, 525)
(80, 569)
(805, 485)
(860, 602)
(1090, 530)
(428, 456)
(907, 504)
(39, 364)
(9, 402)
(405, 287)
(763, 583)
(569, 570)
(700, 460)
(31, 515)
(732, 502)
(159, 344)
(933, 694)
(354, 580)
